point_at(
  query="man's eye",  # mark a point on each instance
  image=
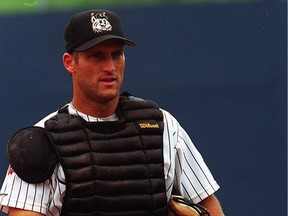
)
(117, 54)
(96, 55)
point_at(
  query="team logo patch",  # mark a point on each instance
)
(100, 22)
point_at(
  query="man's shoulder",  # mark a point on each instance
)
(42, 121)
(170, 120)
(167, 113)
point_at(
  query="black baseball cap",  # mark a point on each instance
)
(89, 28)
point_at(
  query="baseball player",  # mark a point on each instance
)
(104, 153)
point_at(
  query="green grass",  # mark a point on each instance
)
(29, 6)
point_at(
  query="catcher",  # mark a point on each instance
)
(105, 153)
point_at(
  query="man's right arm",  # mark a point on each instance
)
(21, 212)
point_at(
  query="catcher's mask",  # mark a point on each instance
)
(180, 206)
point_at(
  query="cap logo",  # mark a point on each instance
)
(100, 22)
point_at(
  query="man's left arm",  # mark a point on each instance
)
(212, 204)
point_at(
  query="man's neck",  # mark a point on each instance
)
(96, 109)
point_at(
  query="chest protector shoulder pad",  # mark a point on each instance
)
(31, 154)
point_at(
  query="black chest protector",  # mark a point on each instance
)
(112, 168)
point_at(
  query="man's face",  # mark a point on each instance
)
(99, 72)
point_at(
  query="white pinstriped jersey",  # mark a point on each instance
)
(184, 168)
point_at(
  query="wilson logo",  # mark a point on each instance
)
(148, 125)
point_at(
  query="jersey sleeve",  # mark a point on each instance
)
(17, 193)
(44, 197)
(186, 167)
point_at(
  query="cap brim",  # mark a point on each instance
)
(100, 39)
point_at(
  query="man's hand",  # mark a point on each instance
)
(212, 204)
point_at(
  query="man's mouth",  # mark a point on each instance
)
(108, 79)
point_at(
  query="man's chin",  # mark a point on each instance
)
(109, 96)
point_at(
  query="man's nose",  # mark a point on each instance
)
(109, 65)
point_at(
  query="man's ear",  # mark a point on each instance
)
(69, 62)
